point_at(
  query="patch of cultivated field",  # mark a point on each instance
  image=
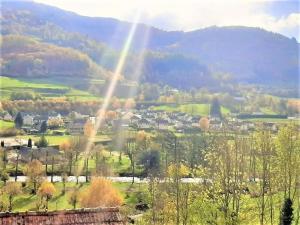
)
(5, 124)
(48, 90)
(194, 109)
(57, 140)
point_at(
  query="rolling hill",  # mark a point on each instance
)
(27, 57)
(46, 90)
(179, 59)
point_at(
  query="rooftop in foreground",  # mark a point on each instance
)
(94, 216)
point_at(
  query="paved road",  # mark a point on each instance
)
(81, 179)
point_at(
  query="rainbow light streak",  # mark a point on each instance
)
(113, 83)
(136, 76)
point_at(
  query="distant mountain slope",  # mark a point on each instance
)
(247, 54)
(176, 70)
(107, 30)
(27, 57)
(250, 54)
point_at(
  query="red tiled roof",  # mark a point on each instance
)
(95, 216)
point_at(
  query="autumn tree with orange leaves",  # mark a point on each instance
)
(111, 115)
(129, 104)
(46, 191)
(89, 129)
(66, 147)
(115, 103)
(34, 171)
(204, 123)
(12, 189)
(142, 140)
(100, 193)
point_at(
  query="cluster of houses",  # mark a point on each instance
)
(183, 122)
(143, 119)
(32, 122)
(156, 120)
(6, 116)
(19, 149)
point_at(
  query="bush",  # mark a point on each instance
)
(10, 132)
(22, 96)
(42, 142)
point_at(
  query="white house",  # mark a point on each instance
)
(28, 120)
(7, 117)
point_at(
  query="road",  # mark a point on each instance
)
(81, 179)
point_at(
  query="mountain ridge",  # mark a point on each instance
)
(248, 54)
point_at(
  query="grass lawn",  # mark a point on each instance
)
(58, 139)
(119, 166)
(47, 90)
(249, 212)
(6, 124)
(194, 109)
(27, 201)
(267, 111)
(274, 120)
(112, 160)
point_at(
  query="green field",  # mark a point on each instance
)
(57, 140)
(6, 124)
(132, 193)
(47, 90)
(27, 202)
(117, 166)
(194, 109)
(274, 120)
(267, 111)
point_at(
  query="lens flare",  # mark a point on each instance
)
(113, 83)
(139, 63)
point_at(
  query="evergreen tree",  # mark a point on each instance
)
(29, 144)
(215, 108)
(282, 106)
(43, 142)
(19, 120)
(286, 216)
(43, 128)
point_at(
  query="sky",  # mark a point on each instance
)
(186, 15)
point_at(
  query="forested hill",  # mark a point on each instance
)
(27, 57)
(180, 59)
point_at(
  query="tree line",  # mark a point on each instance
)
(239, 179)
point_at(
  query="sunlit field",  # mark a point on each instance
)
(46, 90)
(193, 109)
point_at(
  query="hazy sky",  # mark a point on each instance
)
(277, 16)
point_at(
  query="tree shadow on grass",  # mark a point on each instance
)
(55, 198)
(24, 201)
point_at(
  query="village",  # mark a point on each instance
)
(58, 124)
(38, 130)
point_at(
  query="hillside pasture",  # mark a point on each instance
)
(6, 124)
(47, 90)
(193, 109)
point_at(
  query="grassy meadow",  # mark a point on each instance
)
(28, 202)
(194, 109)
(58, 139)
(46, 90)
(6, 124)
